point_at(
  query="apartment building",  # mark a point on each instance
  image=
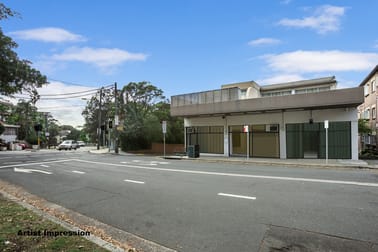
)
(285, 120)
(368, 109)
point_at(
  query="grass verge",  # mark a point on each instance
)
(23, 230)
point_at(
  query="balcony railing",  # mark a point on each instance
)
(207, 97)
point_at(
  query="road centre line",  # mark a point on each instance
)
(134, 181)
(237, 175)
(38, 163)
(236, 196)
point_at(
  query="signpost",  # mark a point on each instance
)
(246, 130)
(164, 128)
(326, 129)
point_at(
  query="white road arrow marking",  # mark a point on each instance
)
(236, 196)
(134, 181)
(31, 170)
(79, 172)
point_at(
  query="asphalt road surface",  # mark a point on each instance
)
(200, 206)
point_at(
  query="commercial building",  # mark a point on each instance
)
(284, 120)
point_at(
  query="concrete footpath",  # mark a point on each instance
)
(315, 163)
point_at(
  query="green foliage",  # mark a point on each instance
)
(363, 127)
(16, 75)
(74, 133)
(2, 128)
(25, 115)
(91, 112)
(141, 109)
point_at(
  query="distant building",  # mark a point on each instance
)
(284, 120)
(368, 109)
(10, 132)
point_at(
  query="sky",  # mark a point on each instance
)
(190, 46)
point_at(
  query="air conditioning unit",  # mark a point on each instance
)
(272, 128)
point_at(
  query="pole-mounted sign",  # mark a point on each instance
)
(164, 128)
(326, 129)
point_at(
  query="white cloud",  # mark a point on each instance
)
(280, 78)
(300, 62)
(264, 41)
(66, 111)
(48, 34)
(325, 19)
(100, 57)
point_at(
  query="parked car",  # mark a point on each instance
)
(81, 143)
(24, 145)
(68, 145)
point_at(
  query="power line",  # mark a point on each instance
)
(74, 93)
(72, 83)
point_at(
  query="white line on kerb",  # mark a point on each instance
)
(134, 181)
(340, 182)
(236, 196)
(79, 172)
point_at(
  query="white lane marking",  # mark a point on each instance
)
(38, 163)
(31, 170)
(11, 162)
(46, 166)
(236, 196)
(134, 181)
(238, 175)
(79, 172)
(140, 162)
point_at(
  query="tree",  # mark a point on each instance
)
(363, 127)
(91, 112)
(24, 114)
(140, 124)
(74, 133)
(175, 125)
(16, 75)
(2, 128)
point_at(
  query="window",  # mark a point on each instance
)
(373, 113)
(367, 114)
(366, 90)
(373, 87)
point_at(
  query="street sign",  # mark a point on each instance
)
(245, 129)
(47, 134)
(164, 126)
(326, 124)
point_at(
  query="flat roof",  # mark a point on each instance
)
(337, 98)
(302, 83)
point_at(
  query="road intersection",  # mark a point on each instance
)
(195, 206)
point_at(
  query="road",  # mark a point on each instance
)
(201, 206)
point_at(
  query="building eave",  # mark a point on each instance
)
(339, 98)
(369, 76)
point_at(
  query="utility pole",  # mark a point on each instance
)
(47, 134)
(116, 119)
(99, 122)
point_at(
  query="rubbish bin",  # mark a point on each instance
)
(193, 151)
